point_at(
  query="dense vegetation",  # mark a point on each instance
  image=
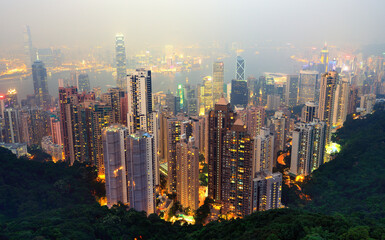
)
(43, 200)
(353, 183)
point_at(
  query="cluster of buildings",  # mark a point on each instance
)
(135, 137)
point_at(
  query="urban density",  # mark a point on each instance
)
(171, 129)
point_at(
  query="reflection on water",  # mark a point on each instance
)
(267, 60)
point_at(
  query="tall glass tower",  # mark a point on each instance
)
(240, 75)
(121, 73)
(39, 75)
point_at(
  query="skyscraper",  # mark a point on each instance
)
(39, 74)
(218, 76)
(240, 74)
(187, 155)
(220, 120)
(121, 71)
(341, 102)
(326, 101)
(254, 118)
(239, 93)
(324, 58)
(207, 94)
(236, 170)
(128, 168)
(115, 155)
(291, 91)
(139, 96)
(263, 151)
(30, 52)
(84, 83)
(308, 82)
(309, 112)
(308, 147)
(267, 190)
(11, 125)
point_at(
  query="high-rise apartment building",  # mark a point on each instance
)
(326, 101)
(11, 126)
(263, 151)
(121, 70)
(220, 120)
(128, 168)
(309, 112)
(236, 170)
(254, 118)
(341, 102)
(267, 191)
(187, 158)
(39, 75)
(308, 147)
(139, 96)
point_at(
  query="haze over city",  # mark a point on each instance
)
(192, 119)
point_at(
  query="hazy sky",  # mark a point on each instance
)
(95, 22)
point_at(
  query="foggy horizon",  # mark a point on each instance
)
(86, 24)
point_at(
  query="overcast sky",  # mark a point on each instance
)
(156, 22)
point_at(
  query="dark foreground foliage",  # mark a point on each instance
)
(43, 200)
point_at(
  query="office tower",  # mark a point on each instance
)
(228, 92)
(309, 112)
(207, 94)
(187, 158)
(324, 58)
(263, 158)
(192, 101)
(267, 191)
(239, 93)
(139, 95)
(291, 91)
(341, 102)
(84, 83)
(236, 170)
(11, 126)
(128, 168)
(115, 156)
(240, 74)
(308, 85)
(220, 120)
(39, 74)
(326, 101)
(121, 71)
(281, 125)
(254, 118)
(308, 147)
(97, 116)
(56, 133)
(28, 48)
(367, 103)
(218, 78)
(140, 175)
